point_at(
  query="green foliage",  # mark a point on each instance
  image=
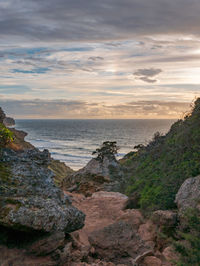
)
(156, 171)
(108, 148)
(188, 244)
(6, 136)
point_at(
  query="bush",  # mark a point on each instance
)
(6, 136)
(188, 244)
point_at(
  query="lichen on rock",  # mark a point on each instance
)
(29, 198)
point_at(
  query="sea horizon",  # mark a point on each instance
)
(72, 141)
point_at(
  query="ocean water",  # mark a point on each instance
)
(73, 141)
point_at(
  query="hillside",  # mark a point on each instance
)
(155, 172)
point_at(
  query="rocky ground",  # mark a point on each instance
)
(121, 236)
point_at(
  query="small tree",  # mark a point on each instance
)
(108, 148)
(6, 136)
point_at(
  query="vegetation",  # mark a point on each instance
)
(6, 136)
(156, 171)
(108, 148)
(188, 245)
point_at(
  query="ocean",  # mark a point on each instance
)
(73, 141)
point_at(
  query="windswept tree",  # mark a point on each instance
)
(107, 149)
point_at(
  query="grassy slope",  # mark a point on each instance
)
(157, 171)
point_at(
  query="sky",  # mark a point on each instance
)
(99, 59)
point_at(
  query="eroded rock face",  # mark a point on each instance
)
(29, 200)
(188, 195)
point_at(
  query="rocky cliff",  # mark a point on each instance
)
(36, 217)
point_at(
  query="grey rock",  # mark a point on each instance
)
(96, 175)
(8, 121)
(188, 195)
(29, 199)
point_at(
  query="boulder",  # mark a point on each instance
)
(147, 232)
(19, 257)
(188, 195)
(29, 200)
(152, 261)
(170, 255)
(101, 168)
(164, 218)
(47, 244)
(118, 243)
(133, 217)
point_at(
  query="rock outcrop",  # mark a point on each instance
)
(29, 200)
(2, 115)
(19, 143)
(9, 121)
(188, 195)
(95, 176)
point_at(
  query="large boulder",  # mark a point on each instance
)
(29, 200)
(188, 195)
(119, 243)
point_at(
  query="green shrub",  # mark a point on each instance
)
(188, 244)
(6, 136)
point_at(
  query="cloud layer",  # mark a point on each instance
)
(107, 58)
(78, 20)
(82, 109)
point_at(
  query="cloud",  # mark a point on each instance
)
(78, 50)
(65, 20)
(82, 109)
(146, 74)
